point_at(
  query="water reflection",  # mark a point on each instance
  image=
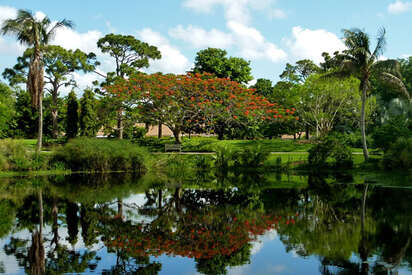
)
(120, 224)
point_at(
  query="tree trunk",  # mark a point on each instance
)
(363, 250)
(159, 130)
(120, 208)
(307, 133)
(120, 123)
(363, 123)
(54, 113)
(40, 125)
(176, 134)
(55, 226)
(36, 251)
(159, 202)
(220, 136)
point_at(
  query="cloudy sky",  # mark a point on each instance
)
(268, 33)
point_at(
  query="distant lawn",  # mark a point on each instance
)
(210, 144)
(30, 143)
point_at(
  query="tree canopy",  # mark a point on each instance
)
(216, 62)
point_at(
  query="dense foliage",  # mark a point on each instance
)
(331, 151)
(99, 155)
(179, 101)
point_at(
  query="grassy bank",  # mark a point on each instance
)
(103, 155)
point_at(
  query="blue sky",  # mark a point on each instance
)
(268, 33)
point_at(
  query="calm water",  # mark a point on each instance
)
(238, 224)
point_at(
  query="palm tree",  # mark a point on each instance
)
(35, 33)
(360, 61)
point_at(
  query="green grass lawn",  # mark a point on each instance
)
(30, 143)
(209, 144)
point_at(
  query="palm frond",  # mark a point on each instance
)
(397, 83)
(380, 45)
(63, 23)
(391, 66)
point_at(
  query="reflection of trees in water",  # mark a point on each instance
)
(337, 221)
(332, 221)
(215, 227)
(30, 253)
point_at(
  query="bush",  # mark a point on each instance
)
(252, 157)
(331, 151)
(355, 140)
(89, 154)
(389, 132)
(15, 157)
(227, 158)
(399, 154)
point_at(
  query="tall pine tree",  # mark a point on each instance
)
(88, 116)
(72, 118)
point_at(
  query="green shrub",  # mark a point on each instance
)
(14, 156)
(252, 157)
(228, 158)
(331, 151)
(89, 154)
(355, 140)
(399, 154)
(203, 162)
(389, 132)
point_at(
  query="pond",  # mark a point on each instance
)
(203, 224)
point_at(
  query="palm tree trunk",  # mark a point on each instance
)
(40, 124)
(363, 123)
(363, 249)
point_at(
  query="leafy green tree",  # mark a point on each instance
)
(130, 55)
(363, 63)
(59, 64)
(321, 102)
(88, 116)
(7, 110)
(215, 61)
(299, 72)
(49, 104)
(263, 87)
(36, 33)
(25, 116)
(331, 62)
(72, 117)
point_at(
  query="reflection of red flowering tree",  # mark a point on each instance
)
(194, 236)
(179, 101)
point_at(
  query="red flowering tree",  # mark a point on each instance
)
(182, 101)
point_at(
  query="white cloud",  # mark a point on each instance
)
(406, 55)
(201, 38)
(310, 44)
(7, 13)
(86, 42)
(39, 15)
(237, 10)
(253, 45)
(172, 61)
(8, 45)
(277, 13)
(71, 39)
(249, 42)
(399, 7)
